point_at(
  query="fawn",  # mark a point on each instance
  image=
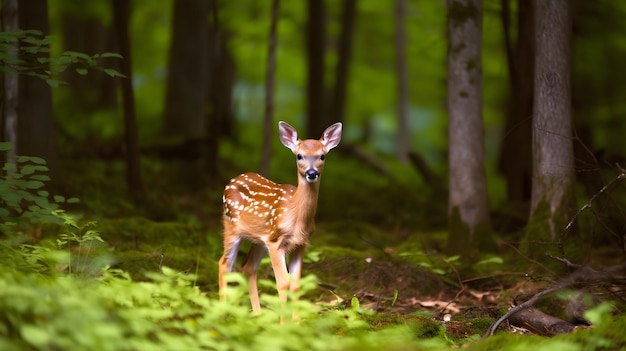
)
(276, 217)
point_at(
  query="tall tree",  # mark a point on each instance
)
(10, 21)
(36, 127)
(84, 30)
(268, 124)
(186, 97)
(468, 203)
(219, 79)
(402, 76)
(515, 157)
(121, 15)
(317, 119)
(552, 202)
(338, 99)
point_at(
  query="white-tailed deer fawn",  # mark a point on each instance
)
(276, 217)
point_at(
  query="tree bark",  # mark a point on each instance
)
(36, 127)
(552, 202)
(402, 75)
(468, 203)
(186, 97)
(317, 119)
(268, 123)
(516, 154)
(10, 21)
(88, 33)
(220, 79)
(121, 14)
(337, 108)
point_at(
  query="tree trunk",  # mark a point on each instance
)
(121, 14)
(402, 75)
(186, 97)
(219, 79)
(268, 124)
(10, 21)
(337, 108)
(85, 32)
(552, 203)
(36, 127)
(317, 119)
(468, 203)
(516, 154)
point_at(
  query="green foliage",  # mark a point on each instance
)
(23, 198)
(17, 48)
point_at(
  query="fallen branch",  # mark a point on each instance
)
(584, 276)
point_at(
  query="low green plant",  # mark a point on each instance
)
(23, 198)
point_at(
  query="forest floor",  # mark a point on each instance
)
(398, 273)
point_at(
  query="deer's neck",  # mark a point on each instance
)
(303, 207)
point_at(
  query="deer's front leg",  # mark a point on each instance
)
(279, 264)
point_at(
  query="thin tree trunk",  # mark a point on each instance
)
(402, 75)
(316, 50)
(516, 154)
(269, 93)
(186, 97)
(10, 20)
(468, 204)
(36, 127)
(338, 103)
(121, 14)
(552, 203)
(219, 79)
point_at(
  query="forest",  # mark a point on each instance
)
(473, 175)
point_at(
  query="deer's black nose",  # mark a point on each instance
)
(311, 175)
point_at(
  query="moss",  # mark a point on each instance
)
(464, 241)
(421, 326)
(540, 241)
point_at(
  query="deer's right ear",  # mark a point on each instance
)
(288, 135)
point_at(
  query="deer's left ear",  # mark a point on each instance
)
(332, 136)
(288, 135)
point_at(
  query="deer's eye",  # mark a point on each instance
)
(322, 157)
(299, 157)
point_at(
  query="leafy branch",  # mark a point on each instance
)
(27, 52)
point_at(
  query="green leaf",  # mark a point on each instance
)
(82, 71)
(43, 193)
(35, 335)
(54, 83)
(33, 159)
(452, 258)
(42, 177)
(33, 184)
(354, 302)
(59, 198)
(113, 73)
(111, 54)
(6, 146)
(9, 167)
(495, 259)
(73, 200)
(599, 314)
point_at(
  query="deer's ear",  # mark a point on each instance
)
(332, 136)
(288, 135)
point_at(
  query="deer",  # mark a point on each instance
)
(277, 218)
